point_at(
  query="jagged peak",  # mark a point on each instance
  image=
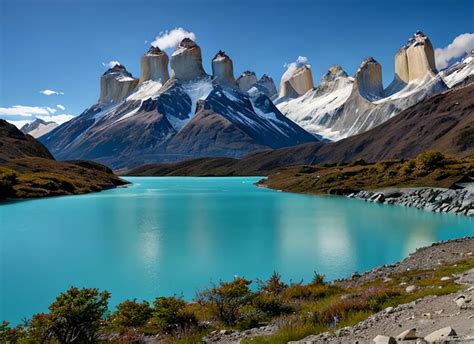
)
(418, 38)
(221, 55)
(247, 73)
(266, 78)
(333, 73)
(187, 43)
(154, 51)
(118, 69)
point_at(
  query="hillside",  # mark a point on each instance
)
(29, 170)
(444, 122)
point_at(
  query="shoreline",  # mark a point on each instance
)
(400, 317)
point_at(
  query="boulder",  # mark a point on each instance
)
(223, 69)
(384, 340)
(409, 334)
(186, 61)
(440, 335)
(154, 66)
(115, 84)
(411, 288)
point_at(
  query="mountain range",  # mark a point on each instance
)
(174, 111)
(186, 114)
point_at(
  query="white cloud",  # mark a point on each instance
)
(172, 38)
(30, 113)
(111, 64)
(51, 92)
(462, 44)
(293, 66)
(27, 111)
(62, 107)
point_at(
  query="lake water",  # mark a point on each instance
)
(165, 236)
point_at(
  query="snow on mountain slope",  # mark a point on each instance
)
(190, 115)
(38, 127)
(343, 106)
(459, 72)
(312, 110)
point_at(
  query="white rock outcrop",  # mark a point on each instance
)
(246, 80)
(115, 84)
(223, 69)
(154, 66)
(297, 84)
(186, 61)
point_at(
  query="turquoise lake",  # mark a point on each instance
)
(165, 236)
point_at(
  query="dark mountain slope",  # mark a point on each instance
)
(444, 122)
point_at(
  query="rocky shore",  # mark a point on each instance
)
(458, 201)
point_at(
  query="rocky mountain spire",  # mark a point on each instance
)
(223, 69)
(154, 66)
(415, 59)
(268, 83)
(298, 83)
(368, 79)
(115, 84)
(246, 80)
(186, 61)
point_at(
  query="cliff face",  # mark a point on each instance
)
(368, 79)
(186, 61)
(414, 61)
(268, 86)
(246, 80)
(298, 83)
(154, 66)
(115, 84)
(223, 69)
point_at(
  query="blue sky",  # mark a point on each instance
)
(61, 45)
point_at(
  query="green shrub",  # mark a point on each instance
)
(227, 299)
(318, 279)
(75, 316)
(274, 285)
(131, 314)
(8, 179)
(170, 315)
(429, 160)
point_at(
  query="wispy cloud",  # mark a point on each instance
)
(462, 44)
(51, 92)
(21, 110)
(171, 39)
(20, 114)
(62, 107)
(111, 64)
(293, 66)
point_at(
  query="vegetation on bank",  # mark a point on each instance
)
(39, 177)
(296, 309)
(428, 169)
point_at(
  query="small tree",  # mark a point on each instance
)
(76, 315)
(318, 279)
(227, 298)
(170, 314)
(274, 285)
(131, 314)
